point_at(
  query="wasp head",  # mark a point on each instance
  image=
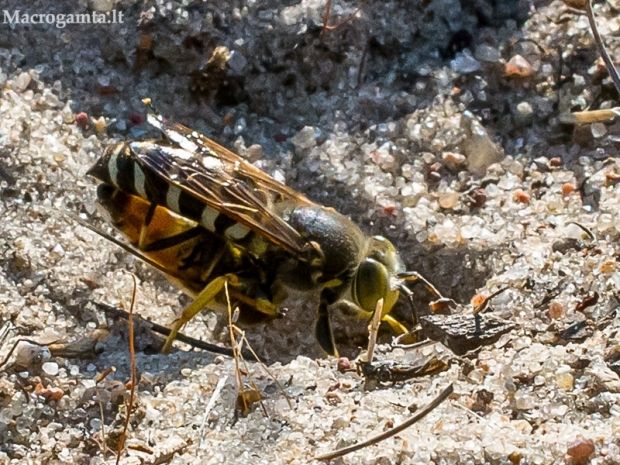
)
(376, 276)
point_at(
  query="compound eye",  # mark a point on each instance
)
(371, 284)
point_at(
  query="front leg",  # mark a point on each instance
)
(323, 329)
(208, 295)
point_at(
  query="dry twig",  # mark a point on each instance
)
(328, 10)
(484, 305)
(134, 374)
(159, 329)
(613, 73)
(244, 399)
(100, 378)
(373, 330)
(392, 432)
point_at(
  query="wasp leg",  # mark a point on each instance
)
(396, 325)
(415, 277)
(208, 296)
(323, 329)
(324, 334)
(351, 309)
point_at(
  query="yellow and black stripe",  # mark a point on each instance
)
(120, 167)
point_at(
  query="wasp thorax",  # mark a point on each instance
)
(340, 240)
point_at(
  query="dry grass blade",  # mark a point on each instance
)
(245, 398)
(107, 372)
(373, 330)
(4, 332)
(100, 378)
(216, 394)
(484, 305)
(613, 73)
(589, 233)
(134, 374)
(392, 432)
(416, 345)
(590, 116)
(328, 10)
(264, 367)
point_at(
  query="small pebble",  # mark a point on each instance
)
(146, 42)
(28, 354)
(520, 196)
(99, 124)
(518, 66)
(524, 114)
(254, 152)
(344, 365)
(567, 189)
(479, 197)
(102, 5)
(136, 118)
(598, 130)
(487, 53)
(448, 199)
(50, 368)
(81, 119)
(465, 64)
(49, 393)
(581, 448)
(453, 160)
(608, 267)
(564, 380)
(21, 82)
(479, 299)
(556, 310)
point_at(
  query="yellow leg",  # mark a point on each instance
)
(207, 296)
(396, 325)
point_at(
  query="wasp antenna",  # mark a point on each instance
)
(153, 117)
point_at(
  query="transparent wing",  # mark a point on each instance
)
(226, 182)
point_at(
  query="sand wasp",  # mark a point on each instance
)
(205, 217)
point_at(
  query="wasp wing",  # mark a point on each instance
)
(226, 182)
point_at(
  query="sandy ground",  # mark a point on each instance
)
(435, 124)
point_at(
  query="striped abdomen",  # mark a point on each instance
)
(120, 167)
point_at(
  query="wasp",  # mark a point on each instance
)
(207, 218)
